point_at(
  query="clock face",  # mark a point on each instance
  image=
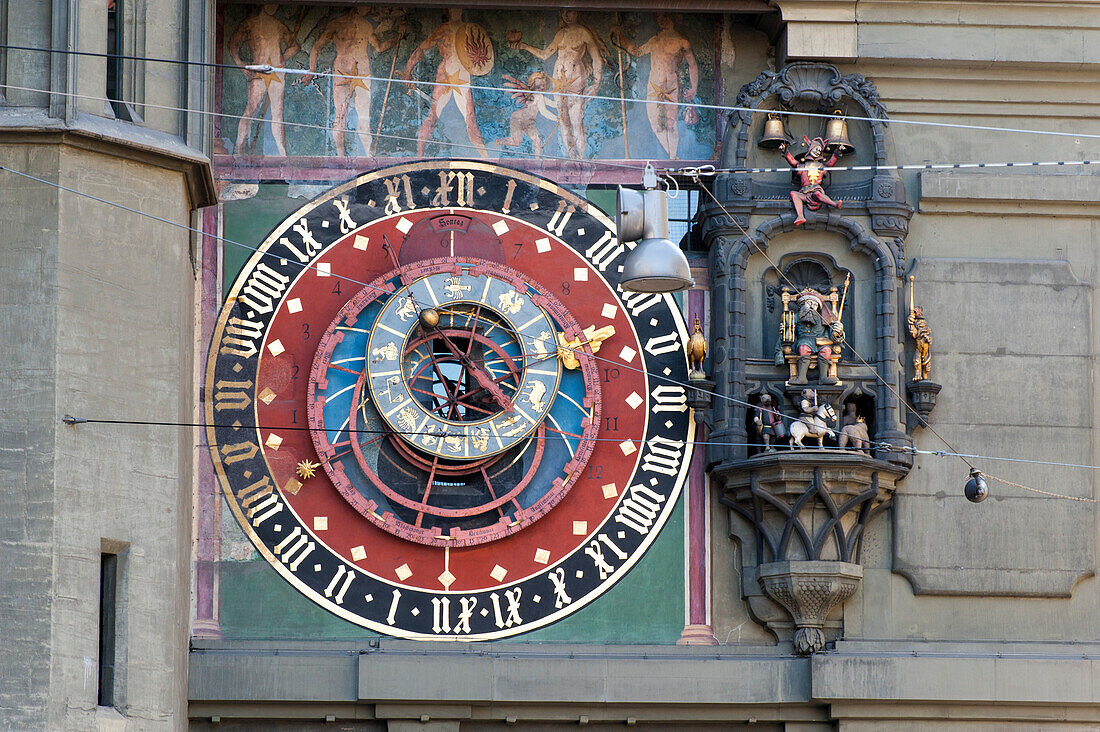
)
(434, 412)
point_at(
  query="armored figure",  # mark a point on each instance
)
(813, 420)
(769, 423)
(922, 337)
(816, 330)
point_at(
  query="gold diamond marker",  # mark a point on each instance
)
(267, 395)
(446, 579)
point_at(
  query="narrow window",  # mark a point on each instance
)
(114, 59)
(108, 626)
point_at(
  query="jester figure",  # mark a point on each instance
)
(813, 164)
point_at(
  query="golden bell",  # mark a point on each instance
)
(774, 133)
(836, 134)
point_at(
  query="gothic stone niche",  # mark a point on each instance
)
(800, 514)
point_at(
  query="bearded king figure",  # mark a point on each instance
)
(816, 332)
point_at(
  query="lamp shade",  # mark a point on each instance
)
(629, 214)
(656, 265)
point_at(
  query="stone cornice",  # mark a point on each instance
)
(116, 139)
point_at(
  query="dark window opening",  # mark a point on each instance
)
(114, 60)
(683, 220)
(108, 626)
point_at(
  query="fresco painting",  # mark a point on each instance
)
(600, 86)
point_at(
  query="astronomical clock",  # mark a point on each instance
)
(434, 412)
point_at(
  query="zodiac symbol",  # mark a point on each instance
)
(394, 397)
(508, 423)
(428, 439)
(454, 288)
(454, 442)
(539, 344)
(535, 395)
(387, 352)
(480, 439)
(406, 310)
(510, 302)
(406, 419)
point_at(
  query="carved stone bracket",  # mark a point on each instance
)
(922, 395)
(809, 591)
(700, 397)
(808, 511)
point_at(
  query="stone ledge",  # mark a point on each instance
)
(1027, 192)
(117, 139)
(956, 677)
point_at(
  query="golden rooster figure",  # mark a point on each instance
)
(696, 353)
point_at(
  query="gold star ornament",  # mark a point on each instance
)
(307, 470)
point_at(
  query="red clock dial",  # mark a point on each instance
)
(436, 414)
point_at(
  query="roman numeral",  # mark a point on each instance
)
(264, 287)
(441, 614)
(394, 188)
(512, 596)
(669, 398)
(508, 196)
(311, 245)
(465, 189)
(667, 343)
(259, 501)
(639, 509)
(348, 576)
(240, 337)
(637, 302)
(238, 451)
(560, 218)
(604, 251)
(231, 395)
(663, 456)
(294, 548)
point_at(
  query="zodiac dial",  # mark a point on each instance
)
(434, 412)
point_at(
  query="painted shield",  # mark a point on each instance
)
(474, 49)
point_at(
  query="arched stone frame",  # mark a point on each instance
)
(807, 87)
(816, 87)
(730, 252)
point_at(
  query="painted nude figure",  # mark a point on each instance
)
(667, 51)
(352, 35)
(811, 195)
(270, 42)
(522, 121)
(451, 71)
(578, 69)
